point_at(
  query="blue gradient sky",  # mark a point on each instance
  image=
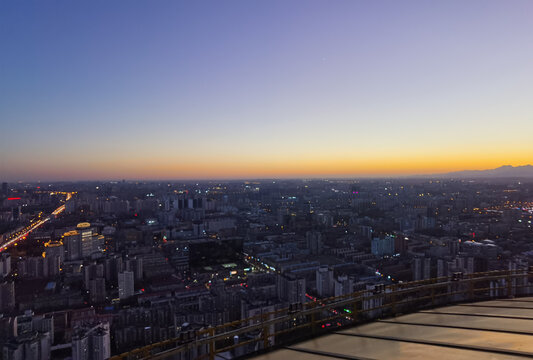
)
(221, 89)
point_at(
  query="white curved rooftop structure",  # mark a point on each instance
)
(496, 329)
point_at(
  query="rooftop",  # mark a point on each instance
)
(486, 315)
(496, 329)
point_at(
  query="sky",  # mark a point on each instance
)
(263, 89)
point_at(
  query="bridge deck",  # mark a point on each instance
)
(499, 329)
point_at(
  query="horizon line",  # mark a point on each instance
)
(311, 177)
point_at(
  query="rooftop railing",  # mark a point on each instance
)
(316, 317)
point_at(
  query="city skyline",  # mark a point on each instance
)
(459, 174)
(263, 90)
(266, 179)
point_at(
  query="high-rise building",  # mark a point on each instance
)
(29, 323)
(31, 346)
(366, 231)
(80, 347)
(54, 265)
(343, 285)
(125, 284)
(135, 265)
(97, 290)
(324, 281)
(417, 269)
(112, 266)
(427, 268)
(314, 242)
(91, 342)
(7, 296)
(86, 238)
(441, 270)
(39, 267)
(91, 272)
(5, 189)
(55, 248)
(82, 242)
(453, 246)
(44, 324)
(383, 246)
(33, 267)
(291, 288)
(5, 265)
(401, 244)
(24, 323)
(72, 243)
(421, 268)
(101, 344)
(16, 212)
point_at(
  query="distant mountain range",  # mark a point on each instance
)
(506, 171)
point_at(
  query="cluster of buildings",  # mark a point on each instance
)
(130, 264)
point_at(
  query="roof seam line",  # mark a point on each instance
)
(328, 354)
(515, 332)
(443, 344)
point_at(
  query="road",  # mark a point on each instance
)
(35, 223)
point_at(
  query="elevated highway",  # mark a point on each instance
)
(21, 234)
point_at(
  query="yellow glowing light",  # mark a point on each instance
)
(83, 225)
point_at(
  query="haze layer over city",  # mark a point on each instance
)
(266, 179)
